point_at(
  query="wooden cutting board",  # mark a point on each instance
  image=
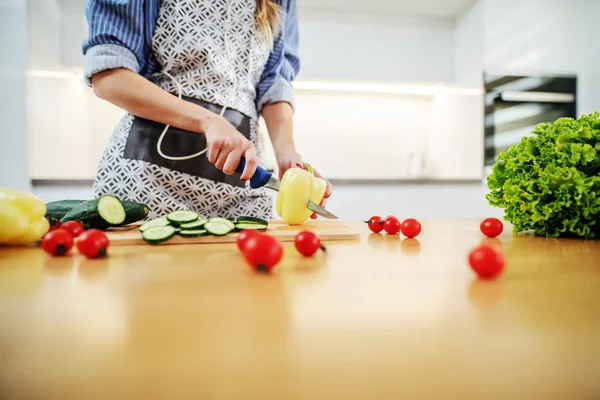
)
(327, 231)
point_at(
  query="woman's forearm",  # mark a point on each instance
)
(142, 98)
(278, 118)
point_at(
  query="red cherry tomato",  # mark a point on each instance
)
(491, 227)
(307, 243)
(487, 262)
(410, 228)
(244, 236)
(263, 252)
(391, 225)
(57, 242)
(54, 224)
(93, 243)
(375, 224)
(73, 227)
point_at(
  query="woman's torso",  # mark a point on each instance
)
(213, 49)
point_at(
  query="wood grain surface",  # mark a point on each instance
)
(377, 318)
(327, 231)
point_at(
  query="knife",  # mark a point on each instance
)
(263, 178)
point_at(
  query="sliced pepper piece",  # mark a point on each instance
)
(297, 188)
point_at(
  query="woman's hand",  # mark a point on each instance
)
(294, 160)
(278, 117)
(226, 146)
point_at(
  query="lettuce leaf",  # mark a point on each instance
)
(550, 181)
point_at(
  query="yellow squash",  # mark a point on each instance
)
(22, 218)
(297, 187)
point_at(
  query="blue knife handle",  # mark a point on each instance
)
(260, 177)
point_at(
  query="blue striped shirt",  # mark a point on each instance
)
(120, 36)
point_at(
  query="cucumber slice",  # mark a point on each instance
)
(223, 221)
(162, 221)
(218, 228)
(252, 220)
(158, 234)
(182, 216)
(257, 227)
(194, 225)
(193, 232)
(111, 210)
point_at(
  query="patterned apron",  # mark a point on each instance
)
(215, 52)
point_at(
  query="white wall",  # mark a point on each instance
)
(532, 35)
(469, 41)
(455, 142)
(546, 37)
(362, 135)
(412, 200)
(589, 74)
(13, 112)
(57, 28)
(358, 46)
(44, 20)
(64, 115)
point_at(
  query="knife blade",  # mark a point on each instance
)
(263, 178)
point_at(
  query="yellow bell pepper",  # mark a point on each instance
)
(22, 218)
(297, 187)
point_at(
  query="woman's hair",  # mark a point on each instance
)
(268, 17)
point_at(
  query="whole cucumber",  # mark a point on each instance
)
(58, 209)
(134, 211)
(100, 213)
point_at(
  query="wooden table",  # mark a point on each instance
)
(375, 319)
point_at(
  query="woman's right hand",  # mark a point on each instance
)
(226, 146)
(140, 97)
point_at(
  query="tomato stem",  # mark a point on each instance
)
(309, 168)
(101, 253)
(323, 248)
(52, 221)
(262, 268)
(61, 249)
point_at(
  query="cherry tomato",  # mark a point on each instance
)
(93, 243)
(491, 227)
(487, 262)
(391, 225)
(57, 242)
(307, 243)
(244, 236)
(73, 227)
(375, 224)
(54, 224)
(263, 252)
(410, 228)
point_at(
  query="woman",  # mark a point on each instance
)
(194, 76)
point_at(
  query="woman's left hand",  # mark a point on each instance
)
(294, 160)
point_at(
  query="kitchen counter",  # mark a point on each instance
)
(378, 318)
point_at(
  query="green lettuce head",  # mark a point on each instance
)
(550, 182)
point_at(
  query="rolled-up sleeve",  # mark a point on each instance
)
(283, 64)
(116, 36)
